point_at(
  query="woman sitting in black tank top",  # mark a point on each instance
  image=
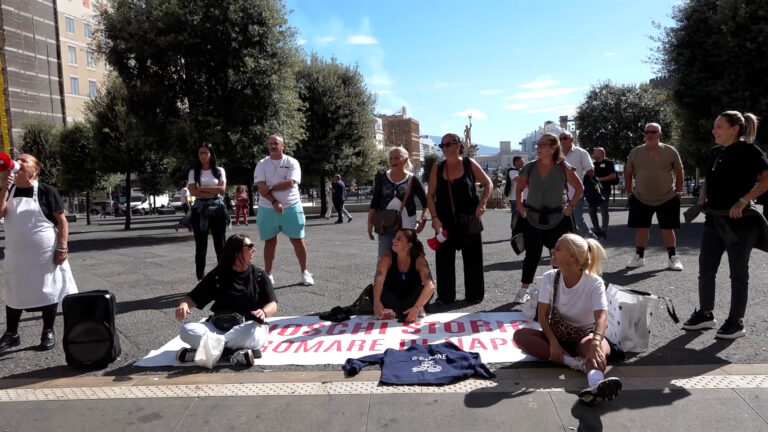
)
(403, 283)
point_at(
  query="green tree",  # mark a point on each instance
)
(338, 111)
(614, 116)
(715, 56)
(197, 70)
(119, 141)
(80, 171)
(429, 161)
(40, 138)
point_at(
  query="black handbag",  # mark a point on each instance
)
(389, 221)
(364, 302)
(226, 321)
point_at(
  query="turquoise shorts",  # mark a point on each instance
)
(290, 222)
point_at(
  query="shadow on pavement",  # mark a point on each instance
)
(169, 301)
(103, 244)
(621, 277)
(590, 417)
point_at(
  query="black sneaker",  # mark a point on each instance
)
(700, 320)
(606, 389)
(9, 341)
(731, 329)
(243, 357)
(186, 355)
(47, 340)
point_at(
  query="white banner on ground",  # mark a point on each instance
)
(306, 340)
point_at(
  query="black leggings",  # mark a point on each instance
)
(13, 316)
(535, 239)
(217, 226)
(445, 263)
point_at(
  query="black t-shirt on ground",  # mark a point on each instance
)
(732, 172)
(232, 291)
(47, 197)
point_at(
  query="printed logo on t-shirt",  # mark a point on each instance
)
(428, 363)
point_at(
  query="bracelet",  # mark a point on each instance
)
(595, 334)
(62, 250)
(274, 201)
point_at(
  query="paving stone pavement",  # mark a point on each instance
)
(151, 266)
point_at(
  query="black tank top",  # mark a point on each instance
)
(464, 194)
(402, 285)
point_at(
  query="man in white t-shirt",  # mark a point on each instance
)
(581, 161)
(277, 178)
(511, 187)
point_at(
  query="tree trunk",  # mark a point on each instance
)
(324, 210)
(128, 201)
(87, 208)
(251, 200)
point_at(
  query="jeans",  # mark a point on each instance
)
(445, 263)
(385, 243)
(250, 334)
(603, 212)
(578, 216)
(712, 248)
(217, 225)
(339, 206)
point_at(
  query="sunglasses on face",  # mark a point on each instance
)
(448, 144)
(650, 132)
(564, 138)
(249, 246)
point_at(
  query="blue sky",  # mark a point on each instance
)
(512, 64)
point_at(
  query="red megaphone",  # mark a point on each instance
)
(8, 164)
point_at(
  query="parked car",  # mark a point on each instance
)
(176, 202)
(139, 205)
(96, 207)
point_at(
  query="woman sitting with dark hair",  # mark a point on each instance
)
(403, 282)
(236, 287)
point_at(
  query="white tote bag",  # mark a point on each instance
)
(630, 313)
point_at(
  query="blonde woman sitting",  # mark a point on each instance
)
(573, 326)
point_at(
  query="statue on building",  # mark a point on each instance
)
(468, 135)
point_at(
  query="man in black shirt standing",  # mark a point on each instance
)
(337, 197)
(605, 172)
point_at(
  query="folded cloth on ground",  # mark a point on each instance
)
(442, 363)
(337, 314)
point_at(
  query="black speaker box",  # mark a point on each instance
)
(90, 337)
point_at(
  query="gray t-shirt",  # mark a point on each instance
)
(545, 193)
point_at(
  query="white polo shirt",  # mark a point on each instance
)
(579, 159)
(274, 171)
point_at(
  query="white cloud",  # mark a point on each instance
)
(522, 106)
(540, 82)
(609, 54)
(476, 114)
(301, 42)
(491, 92)
(362, 40)
(445, 85)
(327, 39)
(541, 94)
(379, 80)
(558, 109)
(383, 92)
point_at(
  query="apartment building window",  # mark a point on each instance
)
(70, 25)
(74, 83)
(92, 90)
(90, 59)
(88, 30)
(72, 55)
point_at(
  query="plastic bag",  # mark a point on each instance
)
(210, 350)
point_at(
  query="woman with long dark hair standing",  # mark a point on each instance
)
(737, 173)
(207, 182)
(452, 197)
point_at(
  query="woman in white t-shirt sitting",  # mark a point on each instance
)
(207, 182)
(573, 331)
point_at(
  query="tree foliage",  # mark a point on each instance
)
(338, 112)
(198, 70)
(40, 138)
(716, 56)
(429, 161)
(118, 139)
(614, 116)
(80, 171)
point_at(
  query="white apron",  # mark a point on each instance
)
(32, 279)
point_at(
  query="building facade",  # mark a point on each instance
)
(502, 160)
(528, 144)
(82, 71)
(378, 135)
(31, 70)
(401, 130)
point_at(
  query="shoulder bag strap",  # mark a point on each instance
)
(407, 192)
(565, 180)
(553, 295)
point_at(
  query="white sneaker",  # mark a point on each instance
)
(522, 296)
(636, 262)
(306, 278)
(675, 264)
(271, 279)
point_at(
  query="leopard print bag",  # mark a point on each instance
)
(564, 331)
